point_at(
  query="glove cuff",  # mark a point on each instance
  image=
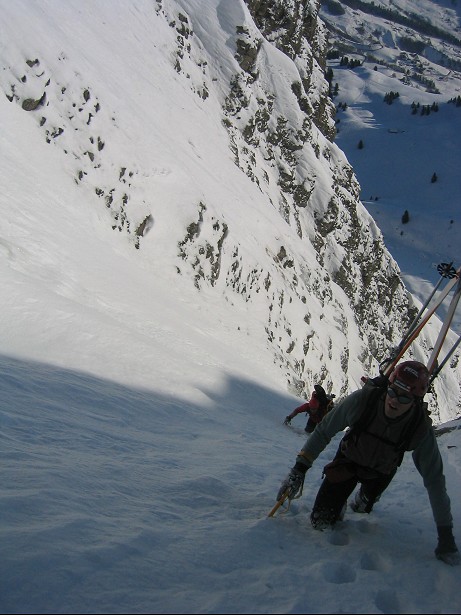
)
(302, 463)
(300, 467)
(303, 460)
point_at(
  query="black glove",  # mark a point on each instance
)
(446, 550)
(294, 482)
(287, 420)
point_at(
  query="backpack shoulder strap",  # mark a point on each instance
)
(420, 420)
(375, 387)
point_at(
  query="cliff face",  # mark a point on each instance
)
(294, 28)
(280, 124)
(241, 83)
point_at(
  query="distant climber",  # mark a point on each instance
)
(317, 407)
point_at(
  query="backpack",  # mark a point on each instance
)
(325, 401)
(377, 387)
(321, 395)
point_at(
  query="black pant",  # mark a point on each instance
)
(332, 496)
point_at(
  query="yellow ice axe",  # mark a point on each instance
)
(279, 503)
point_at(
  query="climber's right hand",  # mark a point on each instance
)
(292, 485)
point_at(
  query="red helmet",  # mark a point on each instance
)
(411, 376)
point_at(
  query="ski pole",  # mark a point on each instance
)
(446, 270)
(410, 337)
(436, 372)
(445, 326)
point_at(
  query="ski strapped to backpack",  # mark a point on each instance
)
(431, 366)
(428, 309)
(446, 270)
(436, 371)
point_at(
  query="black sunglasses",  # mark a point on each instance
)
(402, 399)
